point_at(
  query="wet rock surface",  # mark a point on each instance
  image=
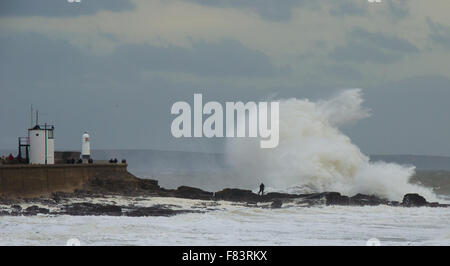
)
(157, 210)
(85, 208)
(96, 209)
(94, 199)
(192, 193)
(276, 204)
(414, 200)
(34, 210)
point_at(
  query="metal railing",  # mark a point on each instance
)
(24, 141)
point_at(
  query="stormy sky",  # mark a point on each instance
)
(115, 67)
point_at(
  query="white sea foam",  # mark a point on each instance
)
(313, 153)
(238, 225)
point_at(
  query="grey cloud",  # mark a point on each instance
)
(364, 46)
(268, 9)
(40, 58)
(108, 94)
(439, 34)
(348, 8)
(282, 10)
(225, 58)
(342, 72)
(384, 41)
(60, 8)
(395, 9)
(398, 9)
(362, 53)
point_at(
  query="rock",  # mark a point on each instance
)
(34, 210)
(86, 208)
(276, 204)
(363, 200)
(394, 203)
(241, 195)
(6, 201)
(414, 200)
(234, 194)
(192, 193)
(335, 198)
(148, 184)
(434, 204)
(16, 208)
(327, 198)
(276, 195)
(156, 210)
(57, 196)
(314, 196)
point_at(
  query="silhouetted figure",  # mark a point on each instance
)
(124, 161)
(115, 160)
(261, 189)
(10, 157)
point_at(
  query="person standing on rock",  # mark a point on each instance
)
(261, 189)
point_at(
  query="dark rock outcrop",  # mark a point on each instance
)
(363, 200)
(16, 207)
(276, 204)
(234, 194)
(276, 195)
(335, 198)
(192, 193)
(120, 183)
(86, 208)
(414, 200)
(156, 210)
(324, 198)
(34, 210)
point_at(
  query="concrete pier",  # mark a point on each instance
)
(26, 181)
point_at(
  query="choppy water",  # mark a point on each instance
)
(238, 225)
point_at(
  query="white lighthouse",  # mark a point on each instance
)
(42, 144)
(85, 147)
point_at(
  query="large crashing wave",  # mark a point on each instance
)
(314, 154)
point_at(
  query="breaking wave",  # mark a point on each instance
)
(314, 155)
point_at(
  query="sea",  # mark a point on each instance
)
(232, 224)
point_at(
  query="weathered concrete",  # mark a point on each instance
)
(28, 181)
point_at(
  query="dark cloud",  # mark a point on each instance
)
(362, 53)
(224, 58)
(439, 33)
(364, 46)
(268, 9)
(388, 42)
(398, 9)
(60, 8)
(348, 8)
(41, 58)
(395, 9)
(109, 95)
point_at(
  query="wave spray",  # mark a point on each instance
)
(313, 155)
